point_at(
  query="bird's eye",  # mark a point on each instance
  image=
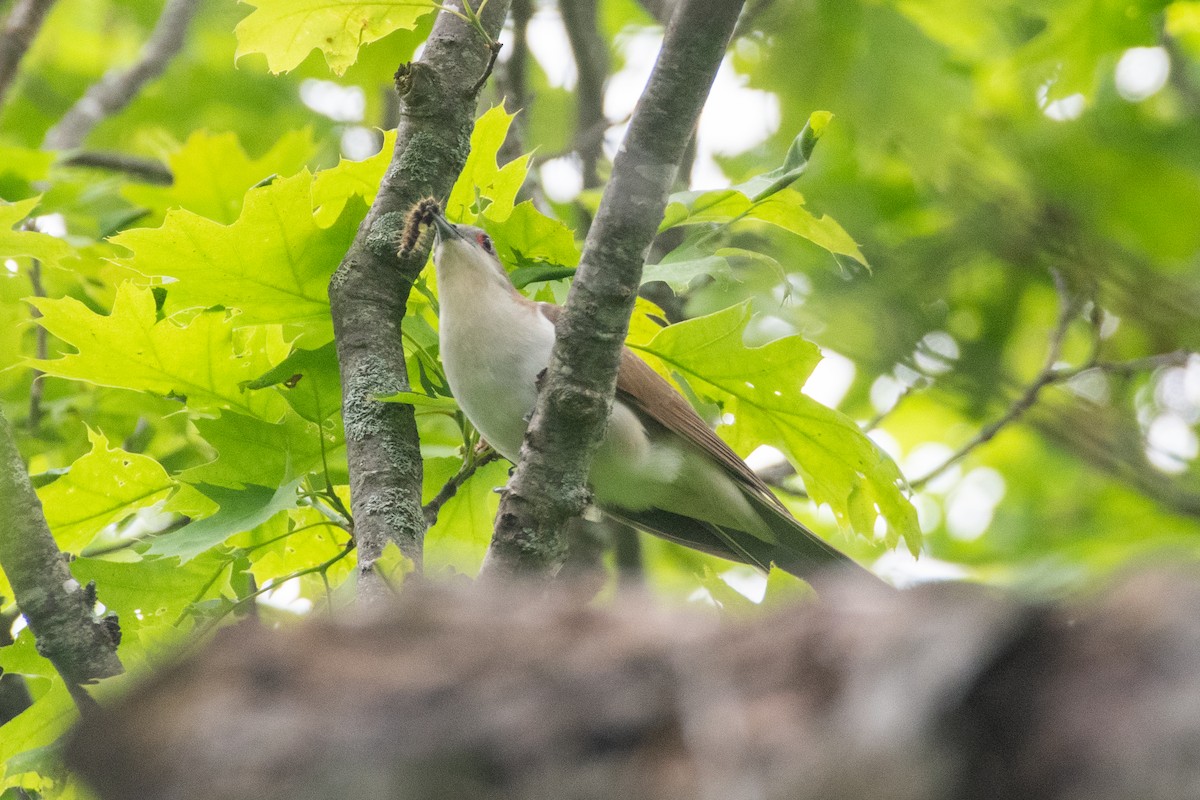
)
(485, 242)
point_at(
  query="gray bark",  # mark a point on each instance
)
(118, 87)
(20, 29)
(369, 291)
(59, 611)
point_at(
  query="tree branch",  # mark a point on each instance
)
(20, 29)
(59, 611)
(512, 88)
(451, 487)
(515, 81)
(661, 10)
(1066, 312)
(1052, 374)
(549, 485)
(118, 87)
(369, 291)
(591, 65)
(145, 169)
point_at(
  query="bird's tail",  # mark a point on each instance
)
(796, 550)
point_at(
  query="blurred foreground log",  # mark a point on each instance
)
(942, 692)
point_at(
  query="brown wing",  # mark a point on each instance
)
(647, 392)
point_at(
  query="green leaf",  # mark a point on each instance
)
(680, 272)
(37, 726)
(421, 400)
(310, 382)
(794, 164)
(273, 264)
(524, 276)
(683, 265)
(484, 187)
(528, 237)
(24, 164)
(761, 386)
(241, 510)
(132, 349)
(393, 566)
(149, 594)
(212, 173)
(332, 187)
(724, 595)
(785, 588)
(783, 208)
(1069, 50)
(286, 31)
(253, 451)
(104, 486)
(22, 657)
(28, 244)
(1183, 24)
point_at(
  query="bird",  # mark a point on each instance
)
(659, 467)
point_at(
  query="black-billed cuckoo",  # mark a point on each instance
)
(659, 466)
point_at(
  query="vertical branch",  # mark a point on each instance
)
(118, 87)
(512, 86)
(591, 63)
(369, 291)
(41, 348)
(516, 69)
(59, 611)
(549, 485)
(20, 29)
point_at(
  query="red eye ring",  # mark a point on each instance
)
(484, 241)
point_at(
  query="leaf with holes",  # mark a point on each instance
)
(273, 264)
(103, 486)
(131, 348)
(286, 31)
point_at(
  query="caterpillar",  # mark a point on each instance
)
(420, 214)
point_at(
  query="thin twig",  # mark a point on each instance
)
(118, 87)
(275, 583)
(1177, 358)
(147, 169)
(20, 29)
(877, 420)
(451, 487)
(1068, 306)
(493, 51)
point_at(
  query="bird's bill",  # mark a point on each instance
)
(444, 229)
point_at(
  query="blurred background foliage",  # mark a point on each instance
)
(1023, 180)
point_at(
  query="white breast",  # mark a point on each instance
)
(493, 352)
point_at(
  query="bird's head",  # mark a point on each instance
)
(467, 253)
